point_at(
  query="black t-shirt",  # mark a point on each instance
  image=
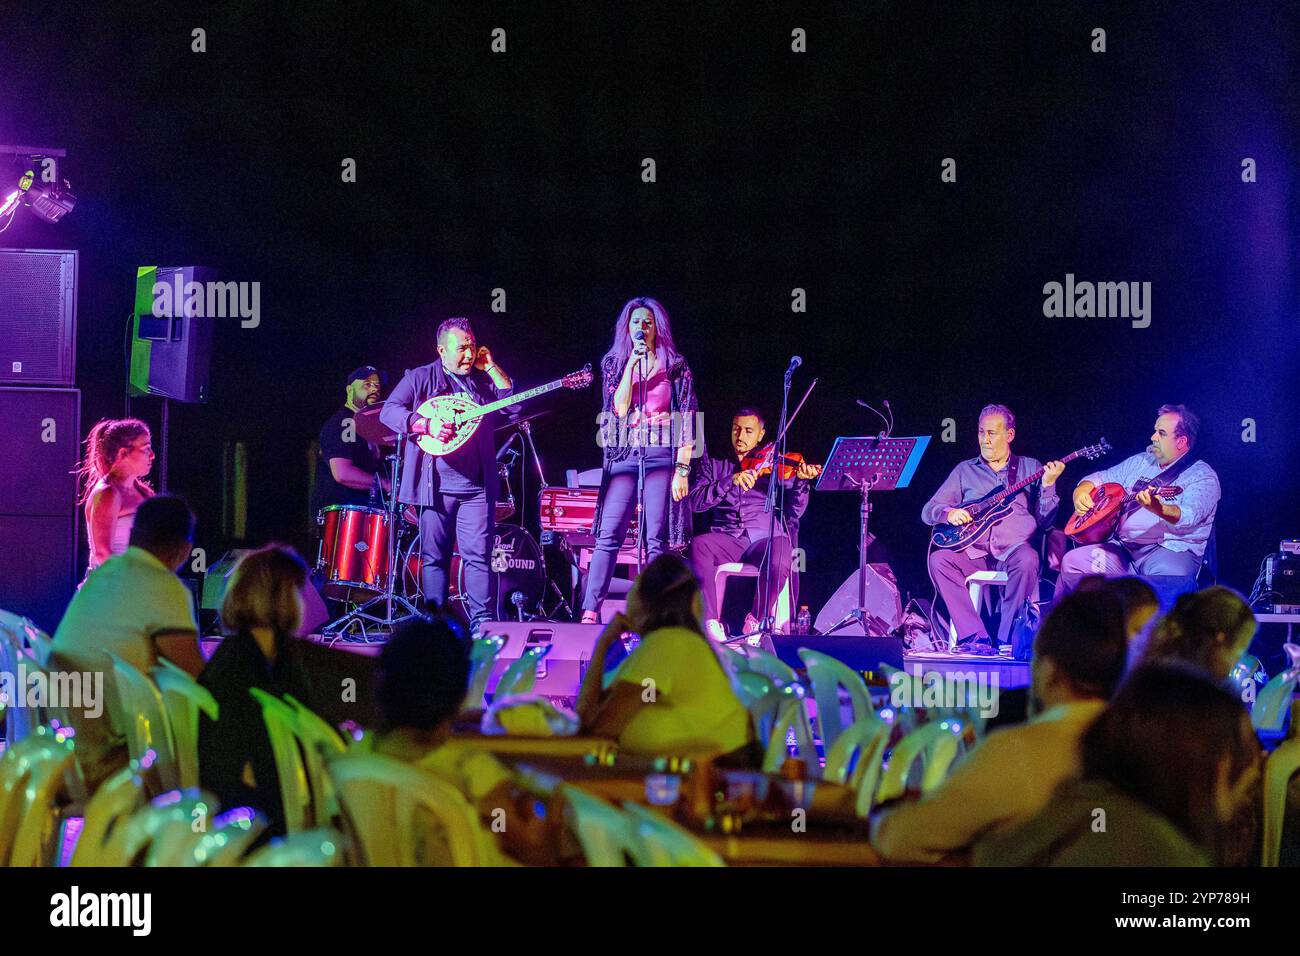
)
(333, 444)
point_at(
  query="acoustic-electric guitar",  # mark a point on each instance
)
(1109, 504)
(996, 505)
(465, 415)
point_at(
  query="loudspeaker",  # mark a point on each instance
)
(40, 431)
(863, 654)
(38, 316)
(560, 672)
(882, 601)
(171, 350)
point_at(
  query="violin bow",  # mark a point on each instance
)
(795, 414)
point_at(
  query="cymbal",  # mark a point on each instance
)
(371, 428)
(522, 419)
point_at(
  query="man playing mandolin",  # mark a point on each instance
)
(1007, 546)
(455, 493)
(738, 525)
(1162, 539)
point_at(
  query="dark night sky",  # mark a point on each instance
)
(776, 170)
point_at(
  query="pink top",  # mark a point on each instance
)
(658, 395)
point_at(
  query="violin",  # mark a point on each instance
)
(761, 460)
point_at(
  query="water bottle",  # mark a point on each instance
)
(803, 623)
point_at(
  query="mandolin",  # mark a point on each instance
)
(465, 415)
(987, 511)
(1109, 505)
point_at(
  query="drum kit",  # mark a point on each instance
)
(369, 557)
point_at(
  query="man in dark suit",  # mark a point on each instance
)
(454, 493)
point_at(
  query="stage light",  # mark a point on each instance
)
(51, 202)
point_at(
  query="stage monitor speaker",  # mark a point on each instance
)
(863, 654)
(38, 316)
(882, 602)
(38, 555)
(560, 672)
(40, 432)
(171, 349)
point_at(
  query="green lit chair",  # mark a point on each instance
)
(282, 728)
(857, 758)
(164, 832)
(226, 842)
(792, 715)
(318, 742)
(323, 847)
(521, 676)
(828, 676)
(21, 721)
(1274, 701)
(604, 832)
(183, 699)
(112, 805)
(658, 841)
(935, 744)
(1280, 767)
(401, 816)
(144, 719)
(769, 665)
(482, 656)
(32, 773)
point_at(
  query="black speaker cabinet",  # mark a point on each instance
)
(38, 316)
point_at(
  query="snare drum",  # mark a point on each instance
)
(353, 550)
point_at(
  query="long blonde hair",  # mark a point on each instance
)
(265, 591)
(103, 446)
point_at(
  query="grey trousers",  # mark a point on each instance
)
(949, 570)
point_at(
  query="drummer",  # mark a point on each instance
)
(349, 469)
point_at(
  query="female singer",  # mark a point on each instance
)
(646, 383)
(118, 456)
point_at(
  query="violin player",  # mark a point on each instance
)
(734, 496)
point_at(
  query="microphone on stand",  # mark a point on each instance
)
(638, 339)
(517, 599)
(795, 362)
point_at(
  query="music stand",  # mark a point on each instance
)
(865, 465)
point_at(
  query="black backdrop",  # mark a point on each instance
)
(775, 170)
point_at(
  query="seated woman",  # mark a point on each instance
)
(671, 693)
(1207, 629)
(262, 609)
(423, 677)
(1171, 778)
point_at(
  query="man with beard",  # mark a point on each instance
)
(738, 522)
(348, 468)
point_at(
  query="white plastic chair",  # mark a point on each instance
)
(322, 847)
(660, 842)
(792, 715)
(975, 584)
(183, 698)
(735, 569)
(144, 718)
(482, 656)
(862, 747)
(521, 676)
(604, 832)
(828, 676)
(935, 744)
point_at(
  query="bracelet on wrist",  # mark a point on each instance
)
(683, 470)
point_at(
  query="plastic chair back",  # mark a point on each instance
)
(31, 774)
(164, 832)
(183, 698)
(857, 759)
(227, 840)
(660, 842)
(792, 715)
(319, 742)
(323, 847)
(390, 805)
(481, 658)
(21, 721)
(281, 726)
(529, 715)
(1274, 702)
(770, 666)
(144, 719)
(935, 744)
(604, 832)
(1281, 766)
(827, 676)
(521, 676)
(112, 804)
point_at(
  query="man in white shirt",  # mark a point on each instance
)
(134, 606)
(1079, 656)
(1162, 540)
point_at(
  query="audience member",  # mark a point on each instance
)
(1209, 629)
(263, 608)
(671, 693)
(119, 455)
(1079, 655)
(423, 677)
(135, 607)
(1171, 778)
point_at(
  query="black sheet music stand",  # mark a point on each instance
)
(865, 465)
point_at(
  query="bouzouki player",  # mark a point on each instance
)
(1157, 538)
(1008, 544)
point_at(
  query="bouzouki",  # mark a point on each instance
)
(996, 505)
(1109, 504)
(465, 415)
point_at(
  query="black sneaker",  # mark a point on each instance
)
(976, 648)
